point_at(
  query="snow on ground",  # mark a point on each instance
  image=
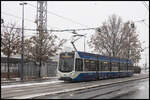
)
(29, 84)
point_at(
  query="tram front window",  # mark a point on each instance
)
(66, 62)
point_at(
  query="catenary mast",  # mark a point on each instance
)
(41, 21)
(41, 18)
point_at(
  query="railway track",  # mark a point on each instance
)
(92, 93)
(36, 91)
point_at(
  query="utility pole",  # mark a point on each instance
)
(22, 54)
(132, 26)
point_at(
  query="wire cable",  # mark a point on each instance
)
(50, 12)
(70, 30)
(29, 20)
(17, 16)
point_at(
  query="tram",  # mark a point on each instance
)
(82, 66)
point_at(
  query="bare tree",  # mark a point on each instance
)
(41, 47)
(10, 42)
(117, 39)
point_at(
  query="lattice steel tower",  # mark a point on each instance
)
(41, 18)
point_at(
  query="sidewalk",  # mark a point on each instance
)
(4, 81)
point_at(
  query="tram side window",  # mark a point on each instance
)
(105, 66)
(87, 65)
(125, 66)
(130, 67)
(100, 66)
(118, 66)
(121, 66)
(92, 65)
(114, 66)
(79, 64)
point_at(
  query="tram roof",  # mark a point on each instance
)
(101, 57)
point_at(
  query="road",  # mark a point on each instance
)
(104, 92)
(140, 92)
(60, 89)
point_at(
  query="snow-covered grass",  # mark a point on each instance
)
(29, 84)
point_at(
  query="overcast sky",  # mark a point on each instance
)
(87, 13)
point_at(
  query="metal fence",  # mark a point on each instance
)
(30, 70)
(47, 69)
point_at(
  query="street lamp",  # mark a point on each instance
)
(22, 54)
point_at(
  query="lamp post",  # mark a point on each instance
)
(22, 54)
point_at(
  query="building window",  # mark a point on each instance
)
(100, 66)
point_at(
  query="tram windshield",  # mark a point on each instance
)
(66, 62)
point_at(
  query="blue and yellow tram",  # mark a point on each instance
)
(82, 66)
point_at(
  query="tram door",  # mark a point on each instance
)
(97, 68)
